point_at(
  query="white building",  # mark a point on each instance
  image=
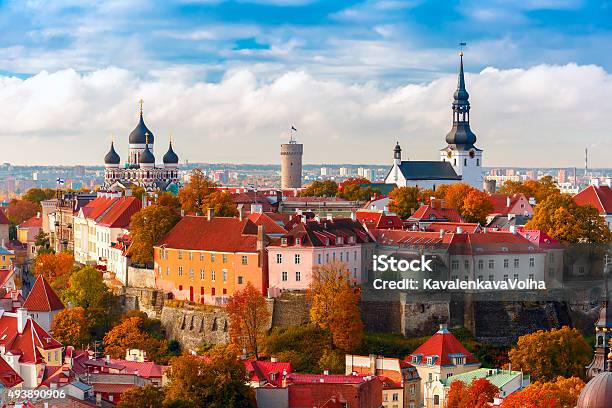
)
(460, 160)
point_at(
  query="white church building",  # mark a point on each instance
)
(460, 161)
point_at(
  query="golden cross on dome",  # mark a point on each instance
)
(141, 102)
(147, 138)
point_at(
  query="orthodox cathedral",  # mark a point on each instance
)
(460, 161)
(140, 169)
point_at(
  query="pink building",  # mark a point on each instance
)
(317, 242)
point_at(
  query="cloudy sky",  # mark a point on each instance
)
(229, 78)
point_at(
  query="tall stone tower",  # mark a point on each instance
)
(291, 164)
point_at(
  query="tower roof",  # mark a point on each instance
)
(597, 393)
(42, 298)
(112, 157)
(461, 94)
(139, 134)
(397, 148)
(461, 136)
(170, 157)
(146, 156)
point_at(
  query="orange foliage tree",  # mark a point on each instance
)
(53, 266)
(335, 305)
(549, 354)
(456, 194)
(129, 334)
(560, 393)
(194, 195)
(249, 316)
(476, 206)
(404, 201)
(476, 395)
(71, 327)
(147, 227)
(20, 210)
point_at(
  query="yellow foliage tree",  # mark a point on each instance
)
(404, 201)
(53, 266)
(476, 207)
(549, 354)
(560, 393)
(249, 316)
(335, 305)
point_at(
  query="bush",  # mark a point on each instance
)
(389, 344)
(332, 360)
(303, 346)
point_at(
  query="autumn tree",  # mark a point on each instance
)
(560, 393)
(36, 195)
(53, 266)
(194, 195)
(147, 227)
(147, 396)
(456, 194)
(167, 199)
(216, 380)
(327, 188)
(249, 318)
(222, 204)
(538, 189)
(71, 327)
(560, 217)
(41, 242)
(476, 207)
(350, 189)
(478, 394)
(335, 305)
(426, 194)
(404, 201)
(549, 354)
(130, 334)
(19, 211)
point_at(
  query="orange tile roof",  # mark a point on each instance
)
(500, 202)
(222, 234)
(452, 227)
(27, 344)
(599, 197)
(120, 213)
(42, 297)
(270, 226)
(442, 346)
(427, 212)
(35, 221)
(8, 377)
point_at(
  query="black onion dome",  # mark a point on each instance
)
(112, 157)
(170, 157)
(397, 148)
(146, 156)
(139, 134)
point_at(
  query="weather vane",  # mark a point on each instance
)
(461, 45)
(141, 102)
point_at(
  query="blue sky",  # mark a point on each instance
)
(380, 47)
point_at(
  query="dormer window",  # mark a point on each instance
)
(284, 241)
(429, 360)
(339, 241)
(298, 241)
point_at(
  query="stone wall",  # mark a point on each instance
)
(150, 301)
(194, 326)
(290, 310)
(141, 277)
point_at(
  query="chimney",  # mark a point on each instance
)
(38, 214)
(372, 364)
(325, 372)
(107, 359)
(260, 238)
(256, 208)
(240, 211)
(273, 359)
(459, 230)
(317, 218)
(444, 327)
(513, 229)
(441, 233)
(22, 319)
(210, 213)
(330, 217)
(182, 213)
(508, 201)
(353, 216)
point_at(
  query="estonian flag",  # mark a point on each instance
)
(293, 128)
(60, 181)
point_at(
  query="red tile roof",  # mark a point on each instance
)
(34, 222)
(146, 369)
(327, 232)
(8, 377)
(599, 197)
(299, 378)
(27, 344)
(428, 212)
(3, 218)
(468, 227)
(500, 202)
(442, 346)
(112, 388)
(378, 219)
(261, 371)
(120, 213)
(270, 226)
(5, 275)
(96, 207)
(219, 234)
(42, 297)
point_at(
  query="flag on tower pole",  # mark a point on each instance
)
(293, 128)
(60, 181)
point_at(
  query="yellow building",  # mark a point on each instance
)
(6, 258)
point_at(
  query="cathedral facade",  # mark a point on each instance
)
(460, 161)
(140, 168)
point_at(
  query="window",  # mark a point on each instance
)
(506, 277)
(180, 271)
(355, 273)
(224, 258)
(516, 262)
(213, 275)
(279, 258)
(480, 264)
(201, 274)
(491, 263)
(180, 254)
(298, 276)
(490, 277)
(333, 256)
(190, 273)
(326, 258)
(201, 256)
(516, 276)
(245, 259)
(531, 262)
(224, 273)
(240, 280)
(506, 263)
(466, 263)
(465, 162)
(212, 291)
(297, 259)
(531, 276)
(284, 276)
(319, 258)
(341, 257)
(480, 277)
(436, 400)
(298, 241)
(395, 397)
(190, 256)
(167, 271)
(454, 264)
(283, 241)
(212, 257)
(478, 162)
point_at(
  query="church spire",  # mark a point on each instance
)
(461, 134)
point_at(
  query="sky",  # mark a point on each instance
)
(229, 78)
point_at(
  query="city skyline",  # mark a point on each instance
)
(67, 84)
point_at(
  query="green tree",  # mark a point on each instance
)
(148, 396)
(327, 188)
(147, 227)
(404, 201)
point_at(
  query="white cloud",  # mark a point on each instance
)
(541, 116)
